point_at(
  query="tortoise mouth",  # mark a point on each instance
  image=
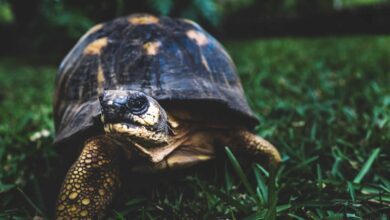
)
(150, 144)
(136, 133)
(119, 128)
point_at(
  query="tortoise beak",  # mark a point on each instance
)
(113, 106)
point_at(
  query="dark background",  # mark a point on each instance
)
(46, 29)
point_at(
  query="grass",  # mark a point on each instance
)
(325, 103)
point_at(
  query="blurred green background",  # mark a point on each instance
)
(48, 28)
(323, 101)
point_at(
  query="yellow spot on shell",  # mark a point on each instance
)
(88, 161)
(96, 46)
(85, 201)
(198, 37)
(100, 82)
(73, 195)
(143, 20)
(151, 48)
(84, 213)
(102, 192)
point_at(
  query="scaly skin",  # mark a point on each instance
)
(91, 182)
(244, 141)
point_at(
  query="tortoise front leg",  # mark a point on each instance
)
(247, 142)
(91, 182)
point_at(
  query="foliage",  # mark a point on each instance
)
(77, 16)
(51, 27)
(324, 102)
(25, 100)
(6, 15)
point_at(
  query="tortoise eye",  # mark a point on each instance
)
(138, 105)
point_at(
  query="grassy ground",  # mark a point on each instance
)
(324, 102)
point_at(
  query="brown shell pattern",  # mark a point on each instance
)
(172, 60)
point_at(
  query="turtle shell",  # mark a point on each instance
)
(169, 59)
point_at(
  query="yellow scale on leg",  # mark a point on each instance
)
(91, 182)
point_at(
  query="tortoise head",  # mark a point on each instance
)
(134, 117)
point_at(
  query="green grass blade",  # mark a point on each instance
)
(119, 215)
(262, 199)
(293, 216)
(135, 201)
(228, 179)
(30, 201)
(261, 185)
(262, 169)
(366, 167)
(351, 191)
(282, 208)
(376, 194)
(256, 216)
(272, 196)
(302, 164)
(319, 177)
(240, 172)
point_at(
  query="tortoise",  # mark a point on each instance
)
(143, 94)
